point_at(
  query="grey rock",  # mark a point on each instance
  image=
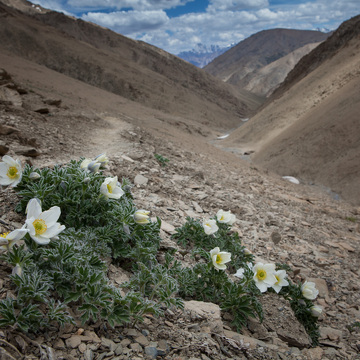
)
(151, 351)
(140, 180)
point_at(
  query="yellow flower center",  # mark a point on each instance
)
(218, 259)
(261, 274)
(277, 279)
(4, 235)
(12, 172)
(40, 226)
(109, 188)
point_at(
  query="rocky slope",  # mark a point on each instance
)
(278, 221)
(241, 63)
(309, 126)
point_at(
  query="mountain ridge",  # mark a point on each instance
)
(245, 59)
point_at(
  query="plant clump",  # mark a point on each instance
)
(78, 221)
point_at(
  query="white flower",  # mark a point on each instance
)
(210, 227)
(316, 310)
(225, 217)
(142, 217)
(264, 276)
(102, 159)
(7, 240)
(240, 273)
(42, 225)
(111, 188)
(280, 280)
(309, 290)
(219, 258)
(10, 171)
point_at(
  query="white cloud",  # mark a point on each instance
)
(236, 5)
(126, 4)
(129, 22)
(224, 21)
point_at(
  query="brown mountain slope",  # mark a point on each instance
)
(134, 70)
(239, 64)
(266, 79)
(312, 130)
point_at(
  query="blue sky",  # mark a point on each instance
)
(179, 25)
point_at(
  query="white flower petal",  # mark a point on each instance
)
(50, 216)
(6, 181)
(10, 161)
(240, 273)
(225, 256)
(214, 252)
(17, 234)
(33, 209)
(40, 239)
(261, 286)
(54, 230)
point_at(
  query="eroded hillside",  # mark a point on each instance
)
(134, 70)
(309, 128)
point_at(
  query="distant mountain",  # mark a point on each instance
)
(309, 127)
(133, 69)
(202, 55)
(241, 63)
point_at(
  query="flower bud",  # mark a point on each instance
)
(142, 217)
(102, 159)
(316, 310)
(86, 180)
(94, 166)
(34, 176)
(309, 290)
(84, 164)
(17, 270)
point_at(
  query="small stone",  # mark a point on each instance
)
(127, 158)
(330, 333)
(59, 344)
(73, 341)
(275, 237)
(118, 350)
(321, 285)
(136, 347)
(197, 207)
(346, 246)
(88, 355)
(6, 130)
(3, 149)
(151, 351)
(92, 336)
(140, 180)
(162, 347)
(82, 347)
(170, 229)
(108, 344)
(142, 340)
